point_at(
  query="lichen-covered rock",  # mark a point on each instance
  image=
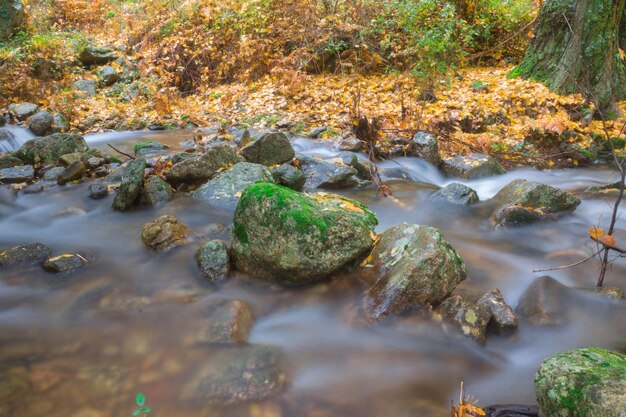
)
(503, 318)
(468, 318)
(48, 149)
(23, 110)
(324, 174)
(33, 253)
(289, 176)
(224, 190)
(226, 322)
(93, 55)
(74, 172)
(415, 266)
(84, 88)
(425, 145)
(164, 233)
(155, 191)
(213, 260)
(70, 158)
(192, 170)
(544, 302)
(131, 186)
(457, 194)
(17, 174)
(237, 375)
(9, 161)
(363, 167)
(64, 263)
(270, 149)
(290, 237)
(53, 173)
(522, 202)
(40, 123)
(107, 75)
(472, 166)
(587, 382)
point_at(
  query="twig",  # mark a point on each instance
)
(607, 246)
(570, 265)
(120, 152)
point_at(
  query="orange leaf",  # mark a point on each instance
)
(609, 240)
(596, 233)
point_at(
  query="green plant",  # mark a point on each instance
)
(140, 400)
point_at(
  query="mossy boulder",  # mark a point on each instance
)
(293, 238)
(148, 147)
(522, 202)
(587, 382)
(415, 266)
(48, 149)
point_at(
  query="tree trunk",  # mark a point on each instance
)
(576, 49)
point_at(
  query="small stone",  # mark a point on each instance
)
(324, 174)
(95, 162)
(227, 322)
(74, 172)
(131, 186)
(33, 188)
(60, 123)
(9, 161)
(289, 176)
(17, 175)
(213, 260)
(101, 171)
(472, 166)
(41, 123)
(70, 158)
(107, 75)
(29, 254)
(317, 132)
(23, 110)
(503, 319)
(98, 191)
(53, 173)
(350, 143)
(64, 263)
(457, 194)
(155, 191)
(425, 145)
(70, 211)
(86, 88)
(93, 55)
(468, 318)
(164, 233)
(612, 293)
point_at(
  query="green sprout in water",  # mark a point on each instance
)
(140, 399)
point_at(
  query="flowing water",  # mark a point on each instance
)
(83, 345)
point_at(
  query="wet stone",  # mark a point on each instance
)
(23, 110)
(95, 162)
(270, 149)
(64, 263)
(511, 410)
(8, 161)
(17, 174)
(213, 260)
(503, 319)
(164, 233)
(53, 173)
(324, 174)
(227, 322)
(41, 123)
(155, 191)
(131, 186)
(456, 193)
(33, 253)
(33, 188)
(98, 191)
(74, 172)
(472, 166)
(425, 145)
(70, 158)
(544, 302)
(468, 318)
(289, 176)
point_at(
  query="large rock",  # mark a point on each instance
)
(472, 166)
(415, 266)
(164, 233)
(202, 168)
(269, 149)
(544, 302)
(213, 260)
(425, 145)
(93, 55)
(503, 319)
(582, 383)
(466, 317)
(290, 237)
(16, 174)
(41, 122)
(522, 202)
(224, 190)
(226, 322)
(11, 16)
(131, 186)
(237, 375)
(324, 174)
(456, 193)
(156, 191)
(48, 149)
(33, 253)
(23, 110)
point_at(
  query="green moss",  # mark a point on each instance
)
(240, 232)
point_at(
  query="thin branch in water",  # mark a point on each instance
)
(120, 152)
(570, 265)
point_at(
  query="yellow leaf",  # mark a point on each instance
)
(609, 240)
(351, 207)
(596, 233)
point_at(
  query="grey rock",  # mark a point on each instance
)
(350, 143)
(414, 266)
(242, 137)
(472, 166)
(583, 382)
(23, 110)
(226, 322)
(192, 170)
(92, 55)
(107, 75)
(40, 123)
(9, 161)
(544, 302)
(317, 132)
(95, 162)
(60, 123)
(11, 16)
(29, 254)
(426, 146)
(35, 188)
(457, 194)
(503, 318)
(156, 191)
(131, 186)
(98, 191)
(74, 172)
(213, 260)
(293, 238)
(270, 149)
(64, 263)
(85, 88)
(363, 166)
(224, 190)
(53, 173)
(17, 174)
(69, 158)
(468, 318)
(323, 174)
(289, 176)
(148, 147)
(164, 233)
(48, 149)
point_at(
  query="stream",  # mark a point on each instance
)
(83, 345)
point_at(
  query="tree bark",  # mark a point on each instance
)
(576, 49)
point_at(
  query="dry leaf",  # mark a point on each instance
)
(596, 233)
